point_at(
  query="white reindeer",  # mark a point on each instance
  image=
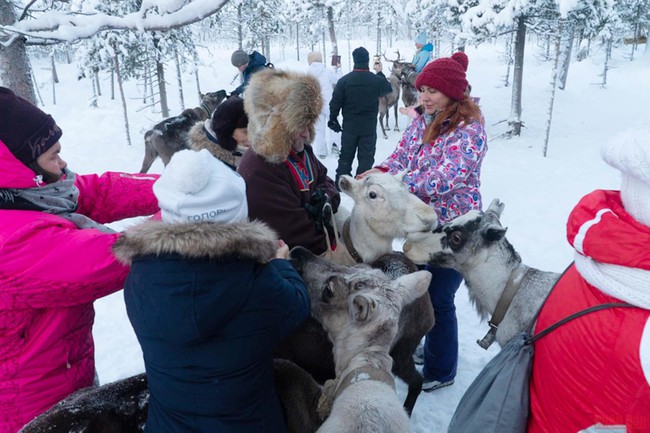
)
(384, 210)
(359, 308)
(475, 245)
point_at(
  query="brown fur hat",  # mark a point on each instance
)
(279, 103)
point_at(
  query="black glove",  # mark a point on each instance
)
(334, 125)
(315, 207)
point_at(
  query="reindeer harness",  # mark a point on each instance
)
(519, 276)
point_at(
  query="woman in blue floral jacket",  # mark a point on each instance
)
(441, 152)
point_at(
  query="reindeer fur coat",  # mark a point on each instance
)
(278, 104)
(208, 307)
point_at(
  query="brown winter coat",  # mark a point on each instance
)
(279, 103)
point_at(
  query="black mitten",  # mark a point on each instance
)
(315, 207)
(334, 125)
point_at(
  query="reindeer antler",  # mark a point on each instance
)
(391, 60)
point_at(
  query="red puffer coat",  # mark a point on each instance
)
(596, 368)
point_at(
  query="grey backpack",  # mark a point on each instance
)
(498, 400)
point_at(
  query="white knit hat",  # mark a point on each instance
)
(630, 153)
(196, 186)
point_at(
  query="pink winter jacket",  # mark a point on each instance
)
(445, 173)
(50, 274)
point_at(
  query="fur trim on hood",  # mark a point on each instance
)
(198, 139)
(250, 240)
(279, 103)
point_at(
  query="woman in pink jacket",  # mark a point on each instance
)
(55, 260)
(441, 152)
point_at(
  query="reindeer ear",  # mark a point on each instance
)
(348, 184)
(362, 308)
(494, 233)
(496, 206)
(412, 286)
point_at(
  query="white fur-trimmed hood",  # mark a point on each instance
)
(249, 240)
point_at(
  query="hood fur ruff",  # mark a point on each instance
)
(250, 240)
(197, 140)
(279, 103)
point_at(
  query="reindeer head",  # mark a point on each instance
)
(357, 299)
(212, 99)
(463, 243)
(385, 204)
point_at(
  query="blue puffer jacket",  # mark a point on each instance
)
(422, 57)
(208, 310)
(256, 62)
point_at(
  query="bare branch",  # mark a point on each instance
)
(26, 10)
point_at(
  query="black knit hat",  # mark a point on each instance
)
(361, 58)
(229, 116)
(26, 130)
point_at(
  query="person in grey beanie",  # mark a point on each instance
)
(247, 65)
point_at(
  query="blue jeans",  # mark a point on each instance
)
(441, 343)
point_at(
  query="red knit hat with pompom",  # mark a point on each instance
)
(446, 75)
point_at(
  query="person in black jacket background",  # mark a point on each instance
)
(357, 96)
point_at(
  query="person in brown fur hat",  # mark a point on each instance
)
(286, 184)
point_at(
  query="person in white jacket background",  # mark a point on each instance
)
(327, 77)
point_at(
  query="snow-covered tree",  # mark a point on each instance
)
(52, 21)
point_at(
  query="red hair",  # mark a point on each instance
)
(464, 110)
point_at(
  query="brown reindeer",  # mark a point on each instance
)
(392, 99)
(169, 136)
(407, 78)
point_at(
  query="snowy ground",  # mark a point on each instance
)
(538, 192)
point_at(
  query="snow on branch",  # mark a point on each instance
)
(70, 26)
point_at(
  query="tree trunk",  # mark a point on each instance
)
(608, 55)
(378, 52)
(297, 42)
(198, 83)
(179, 79)
(55, 76)
(240, 29)
(508, 51)
(517, 79)
(558, 43)
(15, 69)
(121, 87)
(96, 78)
(330, 25)
(162, 89)
(112, 84)
(565, 58)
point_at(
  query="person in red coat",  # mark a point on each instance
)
(594, 372)
(285, 180)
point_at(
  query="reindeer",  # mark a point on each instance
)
(359, 308)
(392, 99)
(407, 78)
(170, 135)
(475, 245)
(383, 210)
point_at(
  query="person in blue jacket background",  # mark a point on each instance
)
(247, 65)
(209, 295)
(423, 52)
